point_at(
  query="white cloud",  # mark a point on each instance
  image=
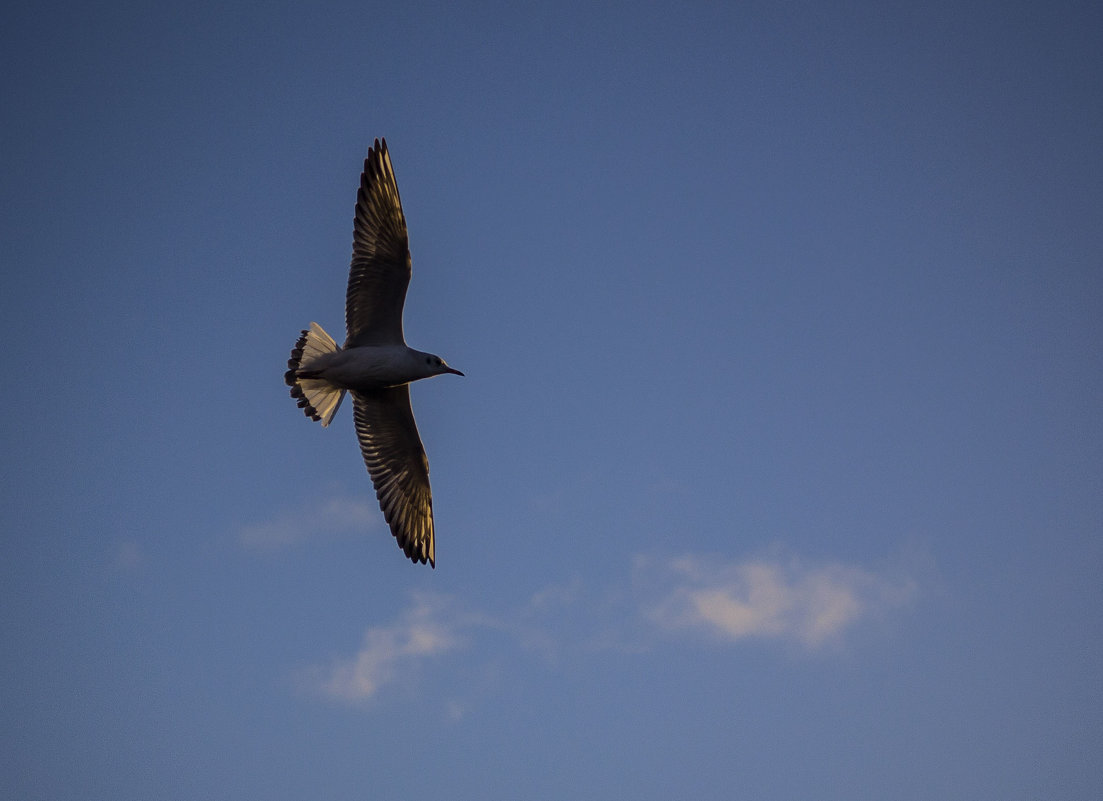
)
(731, 601)
(325, 518)
(767, 598)
(390, 652)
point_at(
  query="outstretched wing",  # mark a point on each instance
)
(399, 470)
(380, 271)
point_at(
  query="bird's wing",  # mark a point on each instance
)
(399, 470)
(380, 271)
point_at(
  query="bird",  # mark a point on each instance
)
(375, 365)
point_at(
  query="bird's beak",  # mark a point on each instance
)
(453, 370)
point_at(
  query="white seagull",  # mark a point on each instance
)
(375, 364)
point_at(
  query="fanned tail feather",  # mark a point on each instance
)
(316, 397)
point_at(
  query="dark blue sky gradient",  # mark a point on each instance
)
(775, 473)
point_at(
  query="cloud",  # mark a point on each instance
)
(435, 625)
(325, 518)
(129, 556)
(390, 652)
(767, 598)
(761, 599)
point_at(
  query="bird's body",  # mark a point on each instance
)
(370, 367)
(375, 364)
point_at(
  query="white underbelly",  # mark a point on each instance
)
(365, 367)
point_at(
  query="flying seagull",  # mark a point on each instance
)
(375, 364)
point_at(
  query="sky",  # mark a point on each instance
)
(777, 468)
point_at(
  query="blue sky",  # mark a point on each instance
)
(775, 473)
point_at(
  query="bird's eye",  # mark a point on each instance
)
(428, 360)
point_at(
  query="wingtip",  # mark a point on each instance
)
(420, 558)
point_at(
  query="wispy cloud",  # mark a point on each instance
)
(776, 599)
(129, 556)
(390, 652)
(326, 517)
(789, 600)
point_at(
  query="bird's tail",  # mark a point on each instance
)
(318, 398)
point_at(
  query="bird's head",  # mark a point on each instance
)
(435, 365)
